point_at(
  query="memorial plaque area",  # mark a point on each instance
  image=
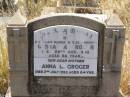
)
(65, 56)
(65, 50)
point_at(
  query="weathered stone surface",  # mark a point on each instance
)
(18, 47)
(17, 20)
(19, 83)
(88, 3)
(114, 44)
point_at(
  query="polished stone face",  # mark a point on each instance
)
(65, 50)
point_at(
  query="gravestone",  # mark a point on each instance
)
(65, 55)
(86, 3)
(64, 52)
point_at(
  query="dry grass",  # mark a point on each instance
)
(7, 7)
(33, 9)
(122, 8)
(3, 60)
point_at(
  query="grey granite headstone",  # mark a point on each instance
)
(65, 56)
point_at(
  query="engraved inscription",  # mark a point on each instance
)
(65, 50)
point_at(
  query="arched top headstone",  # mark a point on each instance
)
(65, 19)
(64, 47)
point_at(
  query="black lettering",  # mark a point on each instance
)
(78, 47)
(91, 47)
(65, 47)
(78, 66)
(72, 30)
(48, 66)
